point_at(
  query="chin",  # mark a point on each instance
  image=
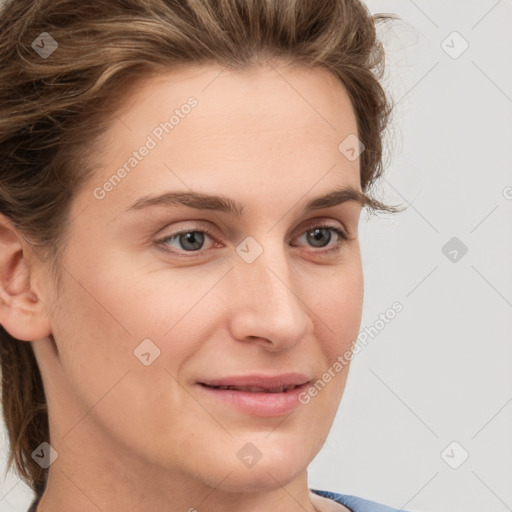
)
(255, 463)
(258, 479)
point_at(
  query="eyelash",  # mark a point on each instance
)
(343, 237)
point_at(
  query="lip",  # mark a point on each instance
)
(258, 403)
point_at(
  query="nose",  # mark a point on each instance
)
(268, 304)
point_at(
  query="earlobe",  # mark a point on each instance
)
(22, 312)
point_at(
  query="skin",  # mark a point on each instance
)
(132, 437)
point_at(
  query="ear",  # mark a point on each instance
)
(22, 313)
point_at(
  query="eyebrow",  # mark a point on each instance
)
(231, 207)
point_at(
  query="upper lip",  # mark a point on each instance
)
(265, 382)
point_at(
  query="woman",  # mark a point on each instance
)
(181, 183)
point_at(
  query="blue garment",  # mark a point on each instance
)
(355, 504)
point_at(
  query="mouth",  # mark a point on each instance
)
(259, 383)
(254, 389)
(255, 394)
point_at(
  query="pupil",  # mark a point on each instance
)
(318, 233)
(190, 237)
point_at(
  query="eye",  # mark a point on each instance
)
(186, 240)
(321, 235)
(192, 240)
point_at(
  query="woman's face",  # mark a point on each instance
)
(145, 317)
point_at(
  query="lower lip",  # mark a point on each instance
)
(258, 404)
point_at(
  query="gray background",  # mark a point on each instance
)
(441, 371)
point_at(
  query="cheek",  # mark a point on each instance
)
(338, 308)
(93, 343)
(98, 325)
(106, 312)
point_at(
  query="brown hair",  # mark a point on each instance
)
(54, 108)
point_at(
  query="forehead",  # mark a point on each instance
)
(277, 124)
(265, 100)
